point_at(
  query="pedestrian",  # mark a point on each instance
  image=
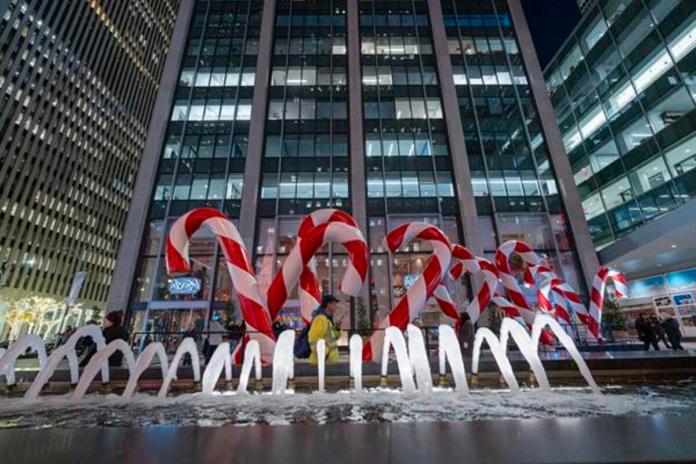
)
(671, 327)
(114, 330)
(216, 331)
(63, 338)
(465, 334)
(660, 333)
(646, 332)
(324, 327)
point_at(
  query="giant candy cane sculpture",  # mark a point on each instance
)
(553, 294)
(309, 291)
(289, 275)
(593, 320)
(509, 309)
(552, 301)
(465, 261)
(552, 284)
(410, 305)
(512, 287)
(256, 316)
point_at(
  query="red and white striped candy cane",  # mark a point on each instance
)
(512, 287)
(254, 312)
(467, 262)
(411, 304)
(446, 303)
(310, 291)
(593, 320)
(509, 309)
(552, 301)
(554, 295)
(289, 274)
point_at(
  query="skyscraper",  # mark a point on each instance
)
(395, 111)
(623, 90)
(78, 82)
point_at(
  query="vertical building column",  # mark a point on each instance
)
(559, 157)
(468, 216)
(257, 128)
(129, 249)
(355, 114)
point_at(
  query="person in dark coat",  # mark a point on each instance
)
(646, 333)
(659, 331)
(671, 328)
(113, 330)
(465, 334)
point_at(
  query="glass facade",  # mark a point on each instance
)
(78, 83)
(296, 55)
(305, 157)
(407, 159)
(624, 95)
(202, 161)
(512, 178)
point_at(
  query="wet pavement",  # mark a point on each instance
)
(576, 440)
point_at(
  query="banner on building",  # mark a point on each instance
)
(78, 281)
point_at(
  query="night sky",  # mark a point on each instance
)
(550, 21)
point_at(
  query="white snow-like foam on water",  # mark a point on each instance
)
(376, 405)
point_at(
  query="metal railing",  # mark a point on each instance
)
(171, 339)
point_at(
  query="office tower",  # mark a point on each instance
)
(624, 95)
(394, 111)
(78, 81)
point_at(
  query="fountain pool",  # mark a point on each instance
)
(413, 398)
(374, 405)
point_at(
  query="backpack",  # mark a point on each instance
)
(302, 350)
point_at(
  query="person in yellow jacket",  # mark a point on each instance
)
(323, 326)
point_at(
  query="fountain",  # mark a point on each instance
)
(221, 358)
(260, 345)
(527, 347)
(97, 362)
(144, 361)
(544, 320)
(394, 337)
(355, 367)
(187, 346)
(419, 359)
(485, 334)
(252, 358)
(411, 358)
(283, 362)
(18, 348)
(449, 351)
(321, 363)
(67, 350)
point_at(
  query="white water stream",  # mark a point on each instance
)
(411, 358)
(252, 358)
(356, 348)
(449, 351)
